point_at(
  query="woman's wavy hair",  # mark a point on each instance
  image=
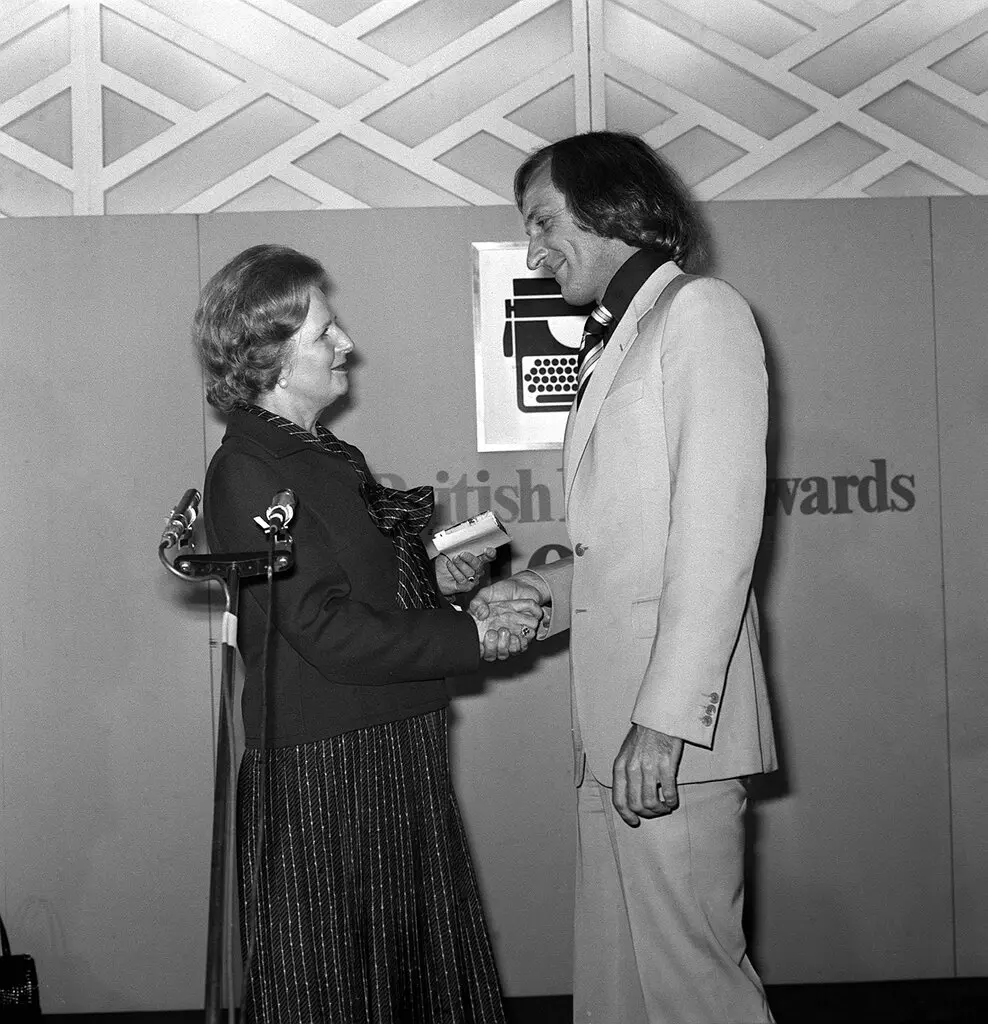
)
(247, 312)
(618, 187)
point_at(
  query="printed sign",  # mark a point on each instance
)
(526, 338)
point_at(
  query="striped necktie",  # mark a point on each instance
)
(595, 332)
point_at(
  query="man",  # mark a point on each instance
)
(664, 471)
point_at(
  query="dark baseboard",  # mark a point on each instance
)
(946, 1001)
(539, 1010)
(940, 1001)
(937, 1001)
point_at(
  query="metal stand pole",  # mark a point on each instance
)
(219, 942)
(227, 570)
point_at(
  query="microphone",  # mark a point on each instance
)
(181, 518)
(282, 509)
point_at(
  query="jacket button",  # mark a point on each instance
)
(580, 550)
(707, 720)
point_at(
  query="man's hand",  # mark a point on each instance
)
(511, 589)
(506, 627)
(645, 775)
(463, 572)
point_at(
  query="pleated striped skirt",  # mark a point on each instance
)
(368, 910)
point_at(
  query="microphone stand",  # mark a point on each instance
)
(228, 571)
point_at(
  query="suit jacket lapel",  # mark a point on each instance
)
(580, 423)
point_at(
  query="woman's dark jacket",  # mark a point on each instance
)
(343, 654)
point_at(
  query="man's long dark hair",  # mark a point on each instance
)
(618, 187)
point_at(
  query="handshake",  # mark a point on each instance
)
(509, 614)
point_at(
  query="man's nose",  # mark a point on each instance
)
(536, 254)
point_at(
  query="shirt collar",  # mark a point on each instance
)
(624, 285)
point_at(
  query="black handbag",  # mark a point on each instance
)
(19, 997)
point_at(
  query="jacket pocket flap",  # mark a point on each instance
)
(624, 395)
(645, 617)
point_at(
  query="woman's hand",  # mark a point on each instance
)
(463, 573)
(506, 627)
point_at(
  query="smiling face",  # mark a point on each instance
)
(583, 263)
(315, 371)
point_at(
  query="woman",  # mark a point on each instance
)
(367, 907)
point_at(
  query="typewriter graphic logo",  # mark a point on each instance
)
(542, 334)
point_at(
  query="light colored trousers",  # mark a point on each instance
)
(658, 913)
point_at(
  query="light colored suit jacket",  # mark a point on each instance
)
(664, 471)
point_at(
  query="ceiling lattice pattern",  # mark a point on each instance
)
(173, 106)
(800, 98)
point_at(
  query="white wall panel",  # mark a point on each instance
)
(868, 854)
(959, 229)
(851, 881)
(852, 878)
(105, 694)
